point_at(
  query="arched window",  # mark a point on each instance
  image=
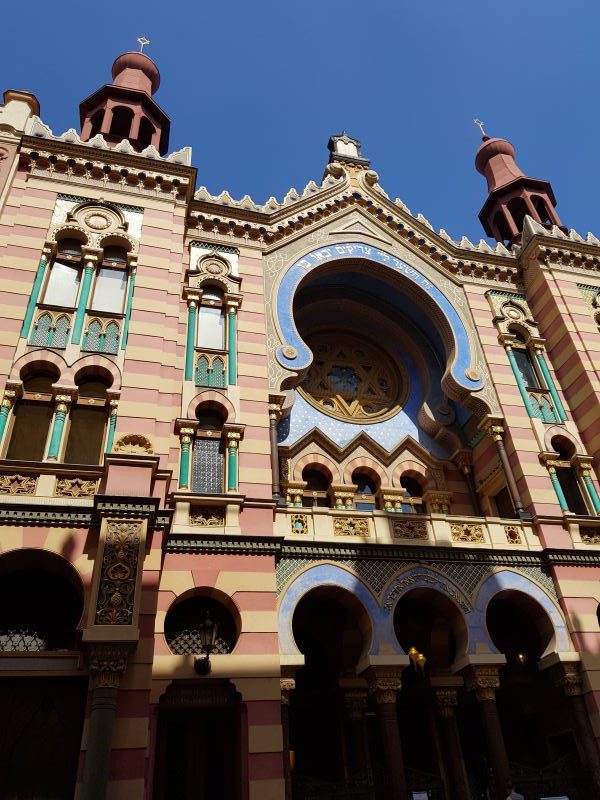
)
(316, 490)
(208, 453)
(111, 281)
(88, 418)
(366, 490)
(146, 132)
(120, 126)
(567, 477)
(185, 620)
(542, 209)
(502, 227)
(525, 364)
(62, 287)
(32, 419)
(211, 320)
(412, 502)
(96, 122)
(518, 210)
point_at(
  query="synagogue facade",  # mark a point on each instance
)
(297, 500)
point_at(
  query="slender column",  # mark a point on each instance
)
(560, 409)
(7, 403)
(232, 460)
(589, 483)
(519, 379)
(35, 292)
(84, 294)
(447, 700)
(496, 431)
(484, 681)
(562, 500)
(107, 664)
(356, 706)
(191, 338)
(185, 437)
(274, 410)
(569, 677)
(58, 425)
(287, 686)
(464, 459)
(385, 684)
(128, 307)
(232, 343)
(112, 424)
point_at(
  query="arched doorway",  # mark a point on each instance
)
(432, 631)
(41, 718)
(200, 734)
(330, 750)
(537, 721)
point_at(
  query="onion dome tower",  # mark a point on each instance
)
(511, 193)
(125, 109)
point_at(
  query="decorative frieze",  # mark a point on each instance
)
(466, 532)
(293, 492)
(116, 592)
(75, 487)
(590, 535)
(513, 534)
(351, 526)
(207, 516)
(18, 484)
(409, 529)
(437, 502)
(483, 680)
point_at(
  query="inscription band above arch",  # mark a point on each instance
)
(295, 355)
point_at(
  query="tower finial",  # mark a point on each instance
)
(142, 41)
(479, 122)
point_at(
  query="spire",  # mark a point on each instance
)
(512, 195)
(125, 108)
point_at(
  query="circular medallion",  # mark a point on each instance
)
(97, 222)
(290, 352)
(472, 374)
(353, 379)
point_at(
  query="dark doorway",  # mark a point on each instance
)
(41, 720)
(198, 744)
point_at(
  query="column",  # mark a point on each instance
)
(447, 700)
(562, 500)
(385, 684)
(112, 424)
(130, 289)
(58, 425)
(586, 475)
(84, 294)
(484, 681)
(35, 291)
(570, 679)
(287, 686)
(274, 410)
(185, 437)
(560, 409)
(356, 706)
(107, 664)
(191, 338)
(496, 431)
(232, 343)
(232, 460)
(465, 464)
(7, 403)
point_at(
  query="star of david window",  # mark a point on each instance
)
(351, 378)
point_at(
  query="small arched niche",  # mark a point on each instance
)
(41, 602)
(188, 615)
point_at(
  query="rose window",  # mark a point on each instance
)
(352, 379)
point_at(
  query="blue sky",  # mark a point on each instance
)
(256, 88)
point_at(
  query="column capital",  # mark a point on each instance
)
(506, 340)
(384, 683)
(107, 663)
(48, 250)
(447, 700)
(568, 677)
(232, 301)
(185, 435)
(356, 703)
(91, 255)
(114, 407)
(464, 461)
(62, 402)
(483, 680)
(9, 398)
(287, 685)
(437, 502)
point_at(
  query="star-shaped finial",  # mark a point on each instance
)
(142, 41)
(477, 122)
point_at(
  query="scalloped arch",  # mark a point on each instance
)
(412, 469)
(321, 461)
(366, 465)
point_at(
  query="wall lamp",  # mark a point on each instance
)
(207, 632)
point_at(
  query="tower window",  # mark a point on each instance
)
(518, 210)
(542, 209)
(120, 126)
(96, 122)
(146, 133)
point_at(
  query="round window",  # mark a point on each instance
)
(351, 378)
